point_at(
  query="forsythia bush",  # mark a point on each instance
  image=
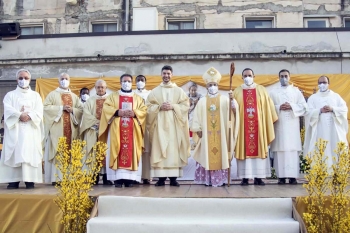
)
(335, 218)
(76, 181)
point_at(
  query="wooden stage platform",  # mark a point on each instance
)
(186, 190)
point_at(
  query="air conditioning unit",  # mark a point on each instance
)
(10, 31)
(71, 2)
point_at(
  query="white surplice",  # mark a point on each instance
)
(146, 160)
(21, 157)
(331, 126)
(287, 144)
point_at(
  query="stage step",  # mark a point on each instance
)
(192, 215)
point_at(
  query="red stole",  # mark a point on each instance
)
(126, 134)
(251, 122)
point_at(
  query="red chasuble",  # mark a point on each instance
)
(251, 122)
(126, 134)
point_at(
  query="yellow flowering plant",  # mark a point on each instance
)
(316, 188)
(78, 171)
(328, 214)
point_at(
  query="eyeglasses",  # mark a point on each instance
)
(322, 82)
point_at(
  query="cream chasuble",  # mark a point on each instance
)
(59, 123)
(168, 130)
(21, 157)
(90, 122)
(211, 117)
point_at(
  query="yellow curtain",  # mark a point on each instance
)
(339, 83)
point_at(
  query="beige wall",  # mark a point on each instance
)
(60, 17)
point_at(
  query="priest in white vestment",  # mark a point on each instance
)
(62, 117)
(211, 123)
(327, 119)
(21, 157)
(290, 105)
(90, 124)
(167, 122)
(146, 159)
(257, 114)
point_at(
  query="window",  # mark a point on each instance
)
(259, 22)
(173, 24)
(315, 23)
(347, 22)
(104, 27)
(28, 29)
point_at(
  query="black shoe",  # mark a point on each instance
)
(117, 184)
(293, 181)
(146, 181)
(129, 185)
(29, 185)
(13, 185)
(281, 181)
(244, 182)
(105, 181)
(56, 183)
(97, 179)
(258, 181)
(174, 183)
(160, 183)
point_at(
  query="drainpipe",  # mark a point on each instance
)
(126, 14)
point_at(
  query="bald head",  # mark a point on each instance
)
(100, 87)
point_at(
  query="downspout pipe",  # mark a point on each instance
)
(126, 14)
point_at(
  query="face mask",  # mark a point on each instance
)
(284, 81)
(213, 90)
(126, 86)
(140, 85)
(85, 97)
(248, 81)
(23, 83)
(64, 83)
(323, 87)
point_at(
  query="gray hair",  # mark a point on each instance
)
(23, 70)
(101, 81)
(63, 74)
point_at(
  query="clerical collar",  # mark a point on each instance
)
(126, 91)
(27, 88)
(213, 95)
(22, 89)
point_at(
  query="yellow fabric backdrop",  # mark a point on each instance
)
(339, 83)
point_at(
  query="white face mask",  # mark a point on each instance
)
(23, 83)
(213, 90)
(140, 85)
(64, 83)
(126, 86)
(248, 81)
(323, 87)
(284, 81)
(85, 97)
